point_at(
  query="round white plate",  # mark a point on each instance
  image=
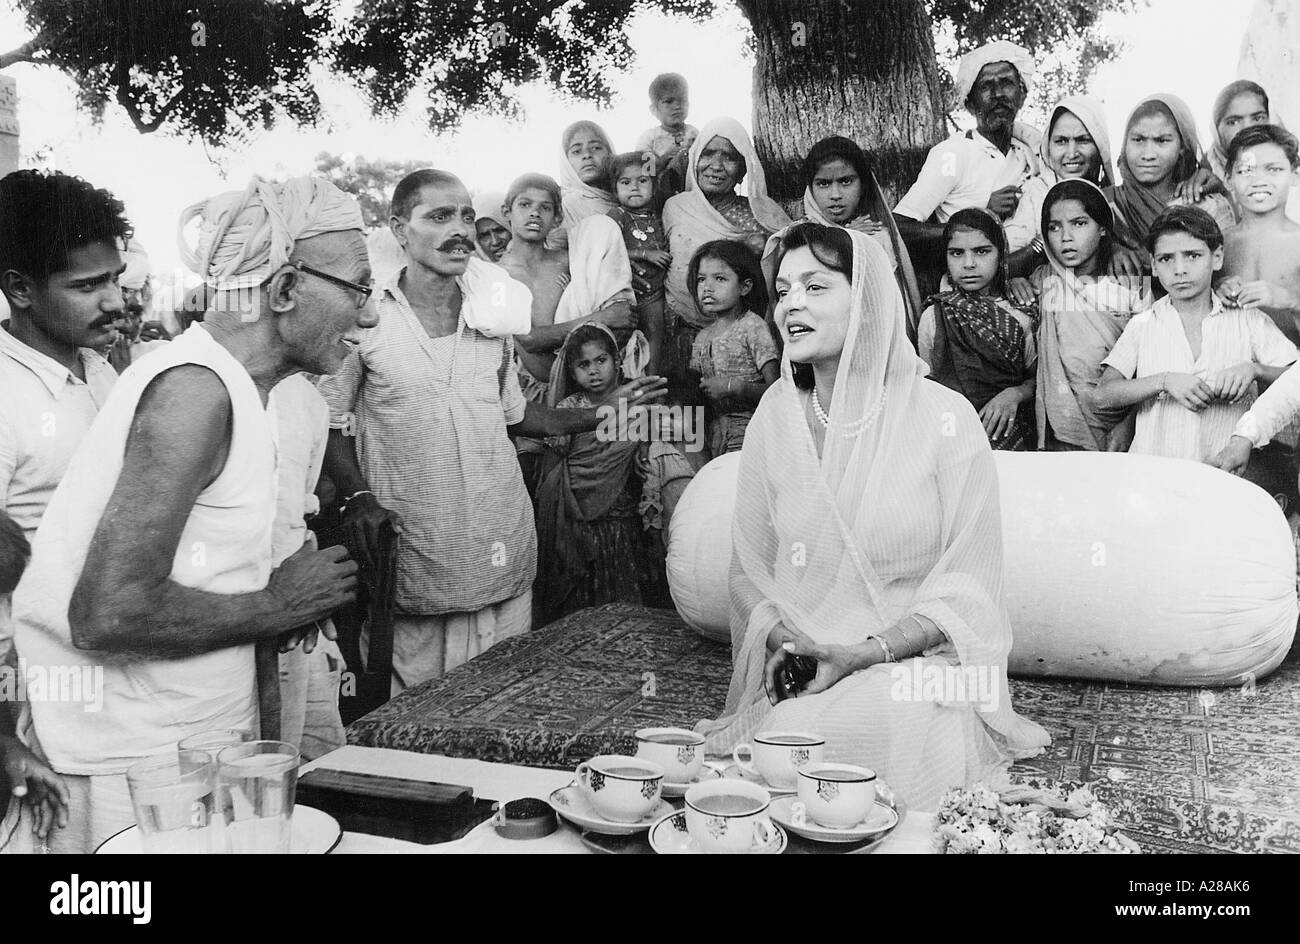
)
(313, 833)
(571, 803)
(880, 820)
(736, 772)
(706, 774)
(669, 837)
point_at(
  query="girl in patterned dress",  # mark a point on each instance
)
(734, 356)
(976, 340)
(592, 547)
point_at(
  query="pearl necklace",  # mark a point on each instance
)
(857, 427)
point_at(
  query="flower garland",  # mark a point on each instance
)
(1024, 819)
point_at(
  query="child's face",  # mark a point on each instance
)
(1244, 111)
(837, 190)
(587, 155)
(594, 369)
(1071, 151)
(1072, 235)
(972, 260)
(671, 108)
(719, 288)
(634, 187)
(1184, 265)
(1262, 178)
(533, 215)
(1152, 149)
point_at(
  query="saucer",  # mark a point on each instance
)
(880, 820)
(736, 772)
(670, 837)
(572, 804)
(313, 833)
(707, 773)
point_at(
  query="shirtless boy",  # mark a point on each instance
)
(1261, 265)
(533, 209)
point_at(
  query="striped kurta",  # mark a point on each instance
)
(430, 418)
(1155, 342)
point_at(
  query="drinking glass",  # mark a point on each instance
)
(257, 784)
(174, 798)
(214, 742)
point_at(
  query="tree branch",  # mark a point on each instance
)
(133, 110)
(24, 52)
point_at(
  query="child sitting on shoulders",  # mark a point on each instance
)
(1190, 364)
(671, 141)
(637, 215)
(734, 354)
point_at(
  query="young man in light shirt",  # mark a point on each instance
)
(64, 306)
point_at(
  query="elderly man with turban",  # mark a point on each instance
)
(984, 167)
(152, 574)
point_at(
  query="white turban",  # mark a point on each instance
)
(136, 273)
(246, 235)
(1000, 51)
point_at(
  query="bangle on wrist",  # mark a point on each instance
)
(343, 506)
(884, 648)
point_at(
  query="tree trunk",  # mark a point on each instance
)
(864, 70)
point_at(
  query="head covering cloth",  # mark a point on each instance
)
(968, 69)
(1092, 115)
(244, 236)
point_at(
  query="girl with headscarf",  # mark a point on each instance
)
(592, 546)
(842, 190)
(1161, 152)
(975, 339)
(867, 532)
(722, 158)
(583, 177)
(1082, 312)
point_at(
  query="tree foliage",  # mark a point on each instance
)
(207, 69)
(473, 57)
(370, 181)
(250, 62)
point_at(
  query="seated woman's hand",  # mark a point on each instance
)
(1022, 291)
(999, 414)
(833, 664)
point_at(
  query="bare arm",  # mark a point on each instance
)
(364, 517)
(542, 421)
(1114, 390)
(125, 600)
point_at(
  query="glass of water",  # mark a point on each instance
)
(214, 742)
(257, 784)
(174, 798)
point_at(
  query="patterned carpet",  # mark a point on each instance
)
(1186, 770)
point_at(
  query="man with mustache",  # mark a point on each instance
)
(422, 415)
(984, 167)
(154, 563)
(60, 257)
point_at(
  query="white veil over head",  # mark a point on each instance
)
(898, 516)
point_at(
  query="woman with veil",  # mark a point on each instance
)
(867, 532)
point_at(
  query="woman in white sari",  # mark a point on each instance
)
(587, 150)
(867, 530)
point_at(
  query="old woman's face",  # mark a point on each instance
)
(720, 167)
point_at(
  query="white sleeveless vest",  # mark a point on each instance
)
(225, 547)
